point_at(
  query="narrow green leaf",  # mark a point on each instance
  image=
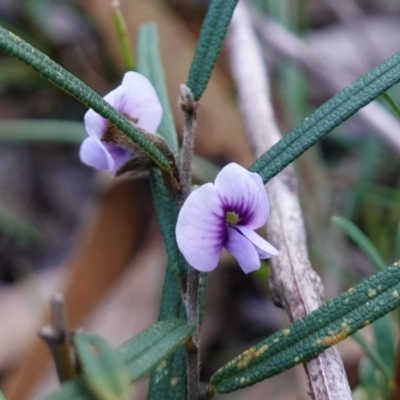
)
(212, 34)
(123, 37)
(147, 350)
(2, 397)
(359, 238)
(149, 64)
(168, 381)
(369, 383)
(327, 117)
(15, 46)
(167, 207)
(72, 390)
(374, 356)
(309, 336)
(385, 341)
(392, 104)
(104, 371)
(41, 130)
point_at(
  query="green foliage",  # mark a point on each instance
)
(212, 35)
(168, 381)
(50, 70)
(123, 38)
(72, 390)
(322, 121)
(107, 372)
(307, 337)
(144, 352)
(364, 244)
(41, 130)
(103, 369)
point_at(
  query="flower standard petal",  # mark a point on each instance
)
(243, 192)
(201, 230)
(264, 249)
(243, 250)
(140, 101)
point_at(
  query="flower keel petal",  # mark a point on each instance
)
(264, 249)
(243, 250)
(201, 229)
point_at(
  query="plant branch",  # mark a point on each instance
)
(190, 285)
(56, 337)
(295, 284)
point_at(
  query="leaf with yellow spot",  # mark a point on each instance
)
(309, 336)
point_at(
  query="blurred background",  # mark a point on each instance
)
(65, 227)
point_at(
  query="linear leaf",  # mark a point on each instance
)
(72, 390)
(385, 341)
(309, 336)
(20, 49)
(361, 240)
(149, 64)
(41, 130)
(168, 381)
(212, 34)
(103, 369)
(166, 205)
(147, 350)
(331, 114)
(374, 356)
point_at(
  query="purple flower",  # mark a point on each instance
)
(225, 214)
(137, 100)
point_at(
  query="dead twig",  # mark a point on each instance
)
(294, 282)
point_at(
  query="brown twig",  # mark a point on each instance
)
(294, 282)
(190, 284)
(56, 337)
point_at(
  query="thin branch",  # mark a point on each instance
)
(288, 45)
(189, 109)
(295, 284)
(56, 337)
(190, 285)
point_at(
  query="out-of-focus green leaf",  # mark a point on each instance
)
(385, 341)
(103, 368)
(72, 390)
(364, 244)
(145, 351)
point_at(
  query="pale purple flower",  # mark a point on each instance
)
(225, 214)
(138, 101)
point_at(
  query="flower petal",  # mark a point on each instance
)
(243, 250)
(94, 154)
(140, 101)
(201, 229)
(99, 155)
(264, 249)
(95, 124)
(243, 192)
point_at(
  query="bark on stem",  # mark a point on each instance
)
(191, 284)
(293, 280)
